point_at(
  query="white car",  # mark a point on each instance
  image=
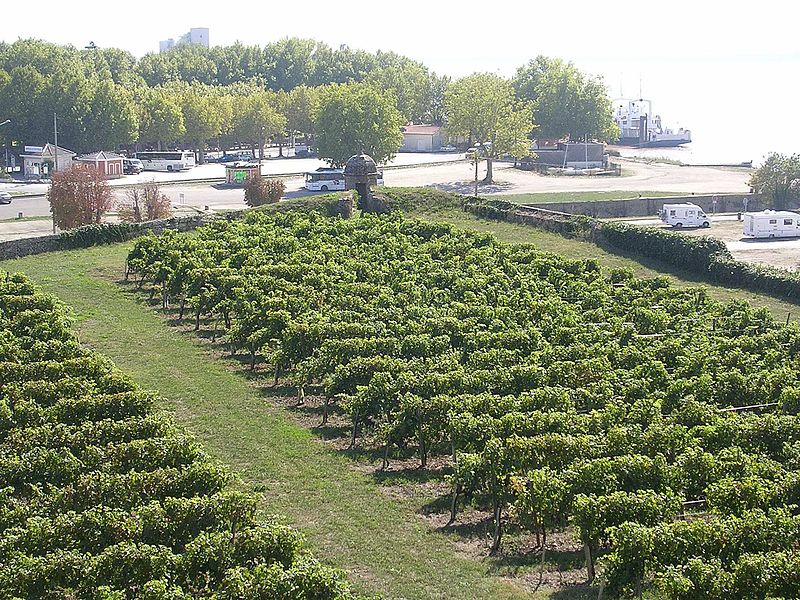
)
(5, 198)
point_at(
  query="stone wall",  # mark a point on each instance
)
(644, 207)
(51, 243)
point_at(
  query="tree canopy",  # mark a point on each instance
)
(194, 96)
(354, 118)
(778, 179)
(565, 101)
(482, 108)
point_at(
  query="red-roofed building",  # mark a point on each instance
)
(421, 138)
(108, 164)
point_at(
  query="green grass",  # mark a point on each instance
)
(643, 267)
(350, 520)
(549, 197)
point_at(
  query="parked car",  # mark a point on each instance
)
(132, 166)
(305, 153)
(448, 149)
(5, 198)
(226, 158)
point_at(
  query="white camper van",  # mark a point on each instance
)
(684, 215)
(772, 224)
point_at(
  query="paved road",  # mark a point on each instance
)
(450, 175)
(269, 167)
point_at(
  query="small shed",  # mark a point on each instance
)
(421, 138)
(241, 173)
(108, 164)
(40, 162)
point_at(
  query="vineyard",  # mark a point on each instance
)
(657, 425)
(102, 497)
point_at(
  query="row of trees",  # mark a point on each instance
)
(247, 95)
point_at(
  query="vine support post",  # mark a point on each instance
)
(423, 450)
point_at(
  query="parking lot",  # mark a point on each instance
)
(778, 252)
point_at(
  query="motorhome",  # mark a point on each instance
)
(684, 215)
(772, 224)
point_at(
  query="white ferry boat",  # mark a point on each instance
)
(639, 127)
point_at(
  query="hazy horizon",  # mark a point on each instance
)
(717, 69)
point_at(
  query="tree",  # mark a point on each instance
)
(410, 82)
(354, 118)
(566, 102)
(256, 120)
(301, 104)
(78, 196)
(145, 202)
(778, 179)
(203, 113)
(482, 107)
(114, 122)
(160, 117)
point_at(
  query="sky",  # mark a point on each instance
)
(728, 68)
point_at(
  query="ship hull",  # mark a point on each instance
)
(634, 142)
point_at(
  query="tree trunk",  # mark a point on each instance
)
(355, 431)
(183, 306)
(498, 528)
(454, 503)
(541, 566)
(280, 148)
(385, 463)
(325, 410)
(488, 178)
(587, 549)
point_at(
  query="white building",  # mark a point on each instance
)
(421, 138)
(196, 35)
(40, 162)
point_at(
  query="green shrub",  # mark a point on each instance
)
(260, 191)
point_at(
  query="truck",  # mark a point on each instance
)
(684, 215)
(772, 224)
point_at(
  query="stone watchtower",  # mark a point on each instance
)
(361, 172)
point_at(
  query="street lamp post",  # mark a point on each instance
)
(5, 163)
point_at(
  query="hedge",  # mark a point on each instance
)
(704, 255)
(692, 253)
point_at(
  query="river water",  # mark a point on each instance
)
(737, 110)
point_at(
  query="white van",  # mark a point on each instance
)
(684, 215)
(772, 224)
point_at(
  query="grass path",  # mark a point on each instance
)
(348, 520)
